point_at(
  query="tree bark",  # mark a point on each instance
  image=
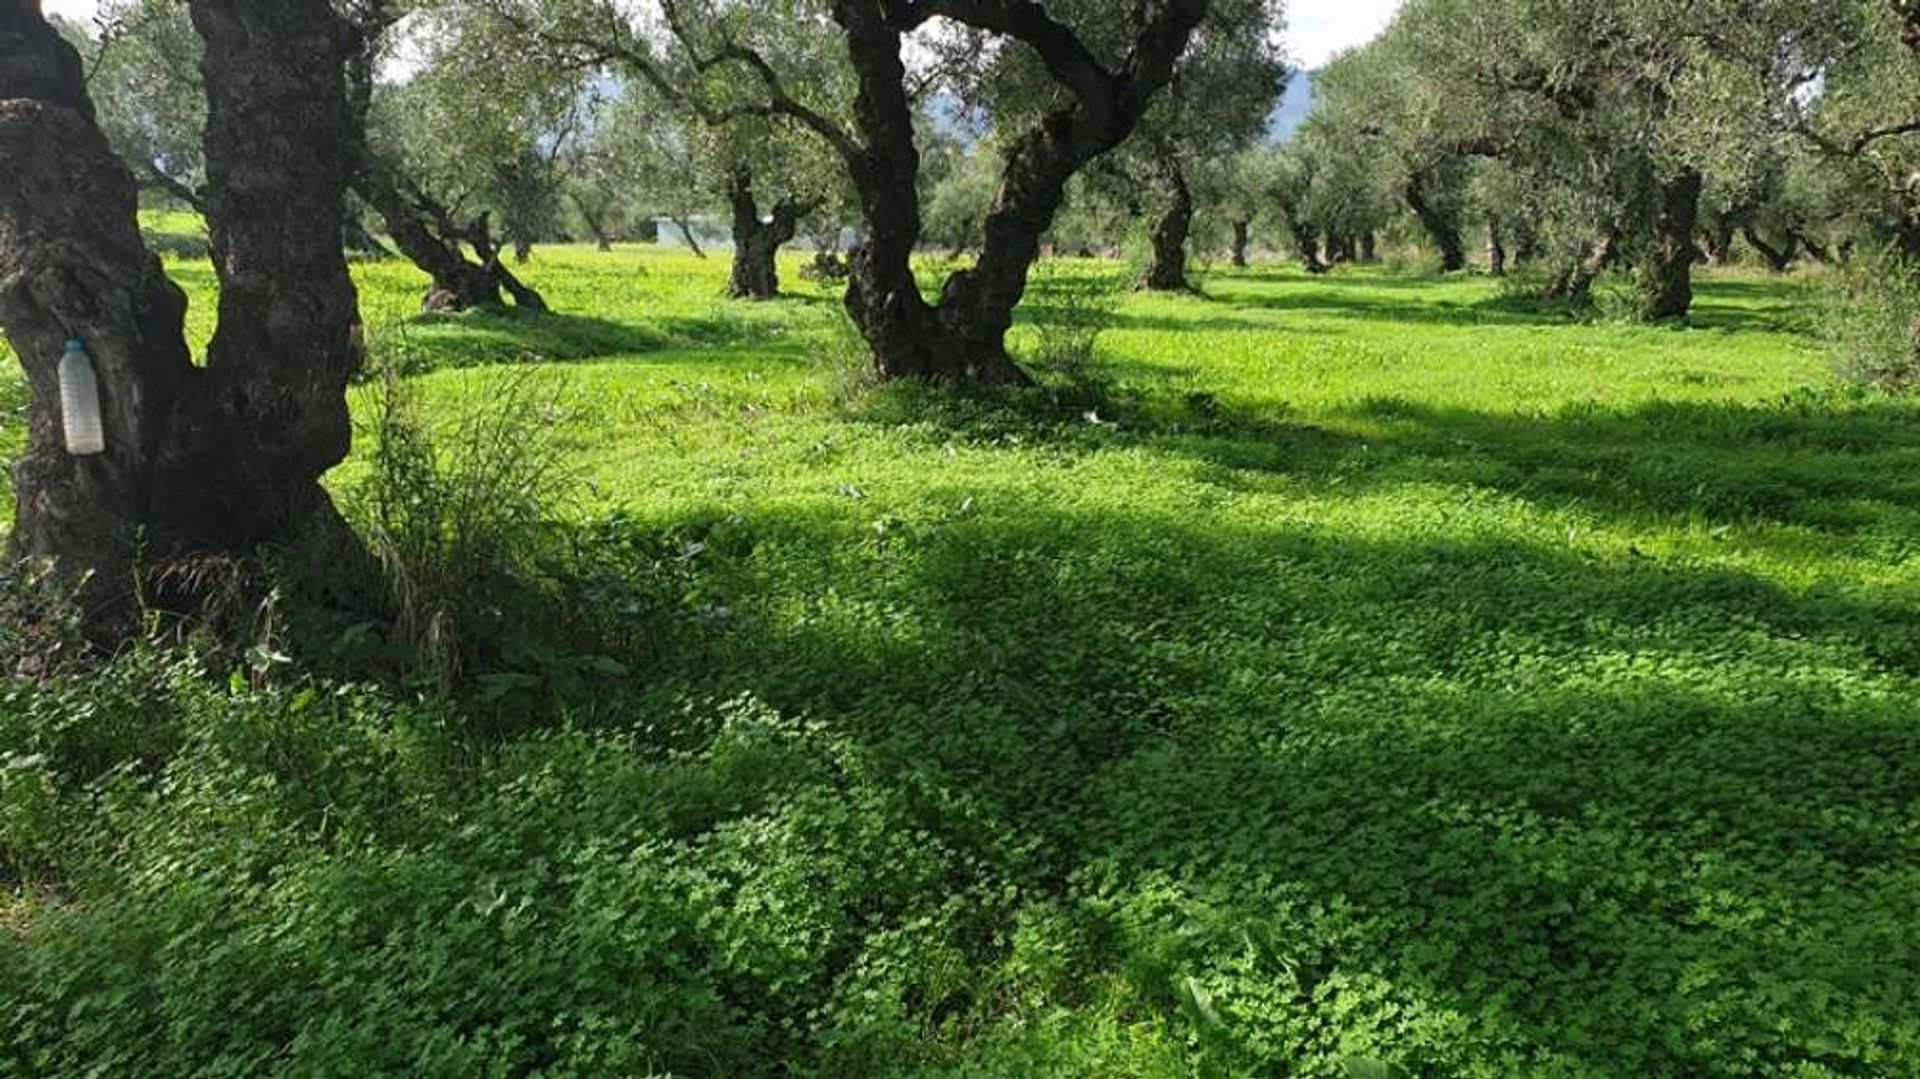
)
(429, 235)
(458, 283)
(1168, 271)
(1306, 242)
(1666, 273)
(1242, 240)
(72, 264)
(1496, 249)
(756, 241)
(1779, 259)
(1575, 283)
(201, 462)
(686, 233)
(962, 336)
(1369, 248)
(1441, 228)
(1716, 241)
(596, 220)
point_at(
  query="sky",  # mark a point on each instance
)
(1317, 30)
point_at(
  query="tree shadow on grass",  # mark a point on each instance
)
(1725, 305)
(1833, 466)
(506, 335)
(1474, 795)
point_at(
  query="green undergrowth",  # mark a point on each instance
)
(1354, 676)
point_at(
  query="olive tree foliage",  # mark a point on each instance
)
(759, 176)
(843, 71)
(1646, 123)
(1247, 196)
(466, 154)
(1346, 187)
(960, 183)
(1380, 128)
(144, 78)
(1836, 82)
(1223, 91)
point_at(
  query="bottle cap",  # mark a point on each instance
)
(74, 344)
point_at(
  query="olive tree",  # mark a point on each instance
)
(465, 158)
(1223, 91)
(841, 70)
(202, 460)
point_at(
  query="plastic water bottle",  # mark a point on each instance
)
(80, 403)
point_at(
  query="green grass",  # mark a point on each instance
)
(1377, 677)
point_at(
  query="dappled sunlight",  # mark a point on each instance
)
(1305, 685)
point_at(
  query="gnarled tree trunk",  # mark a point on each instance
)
(1575, 282)
(1441, 228)
(201, 462)
(757, 241)
(1779, 258)
(962, 336)
(1242, 240)
(72, 265)
(428, 235)
(687, 235)
(1168, 270)
(594, 215)
(282, 141)
(1666, 272)
(1306, 243)
(1716, 241)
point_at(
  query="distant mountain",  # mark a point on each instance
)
(1294, 107)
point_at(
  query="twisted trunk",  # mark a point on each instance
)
(962, 336)
(757, 241)
(596, 222)
(1168, 271)
(1575, 282)
(1716, 241)
(1242, 240)
(427, 233)
(201, 462)
(1306, 242)
(1441, 228)
(686, 233)
(1666, 272)
(1779, 259)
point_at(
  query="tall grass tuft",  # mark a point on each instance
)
(847, 360)
(460, 513)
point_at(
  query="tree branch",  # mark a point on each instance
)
(1066, 57)
(615, 46)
